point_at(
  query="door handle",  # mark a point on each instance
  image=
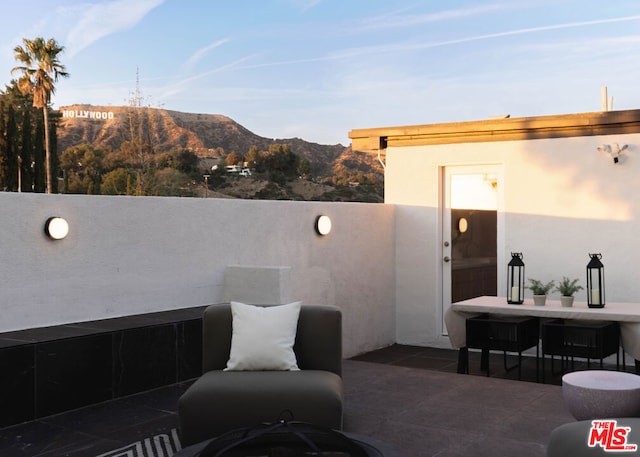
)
(446, 258)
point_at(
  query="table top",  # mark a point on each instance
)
(602, 380)
(621, 312)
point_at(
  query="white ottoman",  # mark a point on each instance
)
(601, 394)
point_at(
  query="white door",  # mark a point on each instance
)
(470, 232)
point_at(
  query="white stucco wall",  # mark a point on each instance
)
(560, 199)
(131, 255)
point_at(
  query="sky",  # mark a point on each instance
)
(317, 69)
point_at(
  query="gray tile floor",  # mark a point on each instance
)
(409, 397)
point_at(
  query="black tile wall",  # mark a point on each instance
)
(144, 358)
(72, 373)
(17, 368)
(189, 355)
(50, 370)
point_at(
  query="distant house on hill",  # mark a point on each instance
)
(467, 194)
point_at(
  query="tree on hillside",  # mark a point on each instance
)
(172, 182)
(252, 157)
(82, 167)
(120, 181)
(281, 163)
(182, 160)
(234, 158)
(304, 168)
(40, 71)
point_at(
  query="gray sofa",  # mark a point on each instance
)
(220, 401)
(573, 439)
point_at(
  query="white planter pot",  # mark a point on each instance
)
(539, 300)
(566, 301)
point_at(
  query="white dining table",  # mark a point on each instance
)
(626, 314)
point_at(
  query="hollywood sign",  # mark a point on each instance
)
(101, 115)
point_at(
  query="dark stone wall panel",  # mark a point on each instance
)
(71, 373)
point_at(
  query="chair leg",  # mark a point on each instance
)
(487, 363)
(537, 360)
(562, 365)
(463, 360)
(520, 366)
(484, 361)
(618, 360)
(517, 365)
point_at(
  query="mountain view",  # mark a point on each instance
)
(333, 173)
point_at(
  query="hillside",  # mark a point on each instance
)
(107, 127)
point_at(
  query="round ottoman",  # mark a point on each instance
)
(601, 394)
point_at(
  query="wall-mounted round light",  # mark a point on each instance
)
(323, 225)
(56, 228)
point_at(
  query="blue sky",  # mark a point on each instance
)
(316, 69)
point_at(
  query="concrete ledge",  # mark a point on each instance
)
(258, 285)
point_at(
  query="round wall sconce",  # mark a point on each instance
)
(56, 228)
(323, 225)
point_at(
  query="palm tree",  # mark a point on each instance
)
(40, 72)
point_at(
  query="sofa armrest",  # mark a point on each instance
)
(319, 338)
(217, 328)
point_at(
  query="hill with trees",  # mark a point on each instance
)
(150, 151)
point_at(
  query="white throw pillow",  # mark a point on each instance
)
(263, 337)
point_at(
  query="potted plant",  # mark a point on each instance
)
(567, 287)
(540, 290)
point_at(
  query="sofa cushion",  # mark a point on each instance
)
(221, 401)
(263, 337)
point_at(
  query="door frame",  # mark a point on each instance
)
(444, 270)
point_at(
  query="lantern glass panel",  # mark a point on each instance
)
(515, 279)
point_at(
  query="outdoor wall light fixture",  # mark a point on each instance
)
(56, 228)
(323, 225)
(614, 150)
(515, 279)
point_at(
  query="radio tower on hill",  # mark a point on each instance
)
(135, 99)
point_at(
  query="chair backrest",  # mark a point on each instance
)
(318, 343)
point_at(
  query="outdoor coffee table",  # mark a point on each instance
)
(601, 394)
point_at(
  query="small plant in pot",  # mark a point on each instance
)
(540, 290)
(567, 287)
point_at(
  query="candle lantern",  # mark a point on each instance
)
(515, 279)
(595, 282)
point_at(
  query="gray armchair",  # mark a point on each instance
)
(220, 401)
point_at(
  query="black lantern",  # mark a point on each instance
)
(515, 279)
(595, 282)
